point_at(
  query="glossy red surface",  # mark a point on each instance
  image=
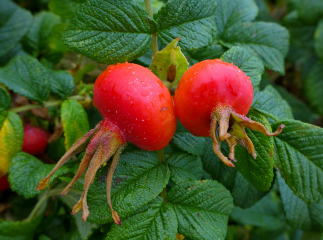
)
(35, 140)
(134, 99)
(206, 86)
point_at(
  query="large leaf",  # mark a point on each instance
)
(314, 87)
(202, 209)
(75, 122)
(299, 157)
(37, 37)
(271, 48)
(193, 21)
(110, 31)
(14, 23)
(258, 171)
(5, 100)
(62, 83)
(184, 167)
(154, 221)
(26, 171)
(26, 76)
(231, 12)
(138, 178)
(184, 140)
(11, 137)
(318, 40)
(245, 59)
(19, 230)
(270, 103)
(299, 214)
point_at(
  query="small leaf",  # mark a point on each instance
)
(299, 158)
(231, 12)
(75, 122)
(184, 167)
(62, 83)
(15, 22)
(19, 230)
(299, 214)
(270, 103)
(27, 77)
(193, 21)
(314, 86)
(198, 206)
(138, 179)
(269, 40)
(118, 31)
(26, 171)
(245, 59)
(169, 64)
(267, 213)
(11, 137)
(5, 100)
(154, 221)
(184, 140)
(258, 171)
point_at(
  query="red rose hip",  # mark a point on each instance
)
(212, 99)
(136, 107)
(35, 140)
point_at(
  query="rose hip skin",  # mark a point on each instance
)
(35, 140)
(212, 99)
(4, 184)
(142, 106)
(136, 107)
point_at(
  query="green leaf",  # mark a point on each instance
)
(19, 230)
(299, 214)
(184, 140)
(271, 48)
(26, 171)
(270, 103)
(11, 137)
(38, 35)
(138, 178)
(310, 11)
(244, 193)
(5, 100)
(62, 83)
(193, 21)
(314, 87)
(299, 158)
(231, 12)
(202, 209)
(15, 22)
(118, 31)
(245, 59)
(184, 167)
(27, 77)
(267, 213)
(75, 122)
(258, 171)
(169, 64)
(154, 221)
(64, 8)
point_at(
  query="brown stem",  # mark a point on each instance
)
(223, 117)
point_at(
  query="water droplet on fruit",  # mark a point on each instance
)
(129, 67)
(133, 73)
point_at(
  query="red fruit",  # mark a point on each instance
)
(136, 107)
(35, 140)
(212, 99)
(4, 184)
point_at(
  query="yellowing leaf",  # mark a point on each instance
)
(11, 137)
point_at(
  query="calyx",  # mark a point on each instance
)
(226, 125)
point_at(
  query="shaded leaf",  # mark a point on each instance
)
(5, 100)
